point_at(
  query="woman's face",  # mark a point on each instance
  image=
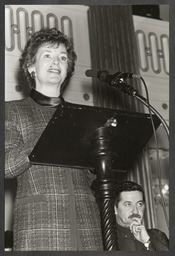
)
(50, 68)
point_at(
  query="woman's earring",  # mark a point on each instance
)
(32, 74)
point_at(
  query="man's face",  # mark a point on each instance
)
(130, 207)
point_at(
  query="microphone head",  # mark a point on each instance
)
(90, 73)
(101, 74)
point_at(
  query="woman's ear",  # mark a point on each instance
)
(31, 68)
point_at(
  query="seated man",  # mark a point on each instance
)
(131, 232)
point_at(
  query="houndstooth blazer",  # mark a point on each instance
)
(55, 209)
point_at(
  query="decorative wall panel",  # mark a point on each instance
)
(152, 38)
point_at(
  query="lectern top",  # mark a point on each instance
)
(66, 140)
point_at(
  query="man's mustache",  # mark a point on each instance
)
(134, 215)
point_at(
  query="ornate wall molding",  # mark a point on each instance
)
(22, 30)
(149, 49)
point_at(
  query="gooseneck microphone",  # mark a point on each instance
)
(115, 80)
(92, 73)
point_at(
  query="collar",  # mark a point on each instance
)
(45, 100)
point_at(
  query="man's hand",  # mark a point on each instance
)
(139, 231)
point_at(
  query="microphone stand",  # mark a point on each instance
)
(118, 83)
(144, 101)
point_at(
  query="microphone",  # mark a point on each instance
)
(91, 73)
(115, 80)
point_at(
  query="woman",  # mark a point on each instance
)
(54, 207)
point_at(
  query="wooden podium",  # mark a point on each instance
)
(98, 138)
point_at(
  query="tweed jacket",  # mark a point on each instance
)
(127, 241)
(55, 209)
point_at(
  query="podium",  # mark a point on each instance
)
(100, 139)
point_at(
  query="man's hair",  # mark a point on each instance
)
(126, 186)
(46, 36)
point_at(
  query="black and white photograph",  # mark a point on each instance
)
(86, 127)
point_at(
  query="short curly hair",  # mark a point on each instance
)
(126, 186)
(46, 36)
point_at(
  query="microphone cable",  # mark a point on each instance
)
(146, 102)
(157, 153)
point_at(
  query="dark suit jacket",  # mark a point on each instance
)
(127, 241)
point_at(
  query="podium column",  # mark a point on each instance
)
(104, 186)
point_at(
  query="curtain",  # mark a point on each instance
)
(113, 48)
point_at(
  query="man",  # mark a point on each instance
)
(131, 232)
